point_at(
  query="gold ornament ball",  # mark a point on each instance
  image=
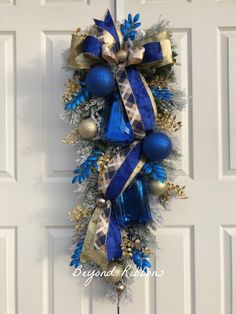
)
(101, 202)
(88, 128)
(157, 187)
(120, 287)
(116, 270)
(122, 55)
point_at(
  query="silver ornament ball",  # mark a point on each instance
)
(157, 187)
(88, 128)
(120, 287)
(122, 55)
(116, 270)
(101, 202)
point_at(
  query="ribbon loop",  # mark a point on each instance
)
(158, 51)
(92, 47)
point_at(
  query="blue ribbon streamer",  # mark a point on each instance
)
(124, 172)
(113, 239)
(142, 98)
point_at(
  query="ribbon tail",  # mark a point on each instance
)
(113, 242)
(107, 236)
(89, 253)
(109, 26)
(102, 229)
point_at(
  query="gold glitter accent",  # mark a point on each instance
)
(167, 122)
(72, 137)
(103, 161)
(173, 190)
(128, 244)
(79, 217)
(71, 89)
(159, 81)
(78, 30)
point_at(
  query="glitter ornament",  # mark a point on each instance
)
(121, 56)
(116, 270)
(87, 128)
(157, 187)
(101, 202)
(120, 287)
(157, 146)
(100, 81)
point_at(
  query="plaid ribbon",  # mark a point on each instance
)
(107, 175)
(130, 103)
(113, 181)
(102, 229)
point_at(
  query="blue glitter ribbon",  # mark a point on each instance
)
(113, 242)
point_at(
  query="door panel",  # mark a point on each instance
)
(197, 243)
(35, 166)
(197, 240)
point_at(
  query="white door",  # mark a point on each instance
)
(198, 241)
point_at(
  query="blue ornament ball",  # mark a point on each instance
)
(100, 81)
(157, 146)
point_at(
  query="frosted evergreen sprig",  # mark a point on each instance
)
(75, 258)
(140, 260)
(86, 168)
(155, 171)
(128, 29)
(79, 98)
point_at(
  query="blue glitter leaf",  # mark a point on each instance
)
(79, 98)
(155, 171)
(130, 19)
(127, 24)
(140, 260)
(85, 169)
(128, 29)
(136, 18)
(75, 258)
(136, 25)
(162, 94)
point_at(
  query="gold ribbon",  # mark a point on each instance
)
(89, 253)
(80, 60)
(77, 59)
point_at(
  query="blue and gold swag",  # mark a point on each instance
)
(87, 51)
